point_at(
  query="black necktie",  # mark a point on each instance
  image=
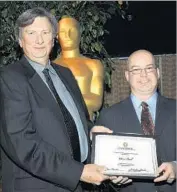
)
(68, 119)
(146, 120)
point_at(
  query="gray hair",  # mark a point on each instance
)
(28, 17)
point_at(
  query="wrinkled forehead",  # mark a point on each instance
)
(42, 23)
(141, 59)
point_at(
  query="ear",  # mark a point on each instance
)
(20, 42)
(127, 76)
(158, 73)
(53, 42)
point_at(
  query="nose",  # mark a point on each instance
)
(39, 39)
(143, 72)
(66, 35)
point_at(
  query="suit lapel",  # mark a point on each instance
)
(40, 88)
(44, 93)
(130, 118)
(161, 115)
(68, 84)
(132, 122)
(62, 75)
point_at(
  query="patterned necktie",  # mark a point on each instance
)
(146, 120)
(68, 119)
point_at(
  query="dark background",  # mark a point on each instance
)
(153, 27)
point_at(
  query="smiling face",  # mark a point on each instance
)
(142, 74)
(36, 40)
(68, 35)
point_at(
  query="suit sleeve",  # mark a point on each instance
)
(103, 119)
(21, 142)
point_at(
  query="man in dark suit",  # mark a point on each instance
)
(44, 120)
(127, 116)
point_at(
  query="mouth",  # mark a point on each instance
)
(143, 82)
(39, 48)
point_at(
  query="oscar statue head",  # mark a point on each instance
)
(68, 33)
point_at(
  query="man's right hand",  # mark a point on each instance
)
(93, 174)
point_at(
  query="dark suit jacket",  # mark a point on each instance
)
(33, 133)
(122, 117)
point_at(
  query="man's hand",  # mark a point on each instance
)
(168, 170)
(120, 180)
(100, 129)
(93, 174)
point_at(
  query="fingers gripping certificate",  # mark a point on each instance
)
(126, 155)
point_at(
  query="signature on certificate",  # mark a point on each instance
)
(137, 170)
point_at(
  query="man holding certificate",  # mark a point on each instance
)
(145, 112)
(44, 123)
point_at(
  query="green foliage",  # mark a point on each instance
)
(91, 15)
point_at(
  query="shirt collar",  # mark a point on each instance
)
(50, 68)
(39, 67)
(152, 100)
(137, 102)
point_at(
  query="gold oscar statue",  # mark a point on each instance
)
(88, 72)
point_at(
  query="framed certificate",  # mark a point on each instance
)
(128, 155)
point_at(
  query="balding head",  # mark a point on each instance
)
(140, 55)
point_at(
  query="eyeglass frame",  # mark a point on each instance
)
(151, 68)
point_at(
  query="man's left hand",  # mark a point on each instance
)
(101, 129)
(120, 180)
(168, 170)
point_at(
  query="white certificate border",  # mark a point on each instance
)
(131, 136)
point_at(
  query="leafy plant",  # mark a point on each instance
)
(92, 16)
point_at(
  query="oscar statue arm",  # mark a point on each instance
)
(96, 88)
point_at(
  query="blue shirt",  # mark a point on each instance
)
(67, 100)
(151, 102)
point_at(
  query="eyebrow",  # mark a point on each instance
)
(137, 66)
(27, 30)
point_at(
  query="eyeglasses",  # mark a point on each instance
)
(139, 70)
